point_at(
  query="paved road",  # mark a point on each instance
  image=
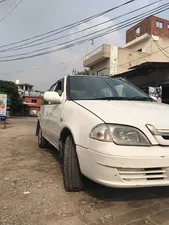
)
(32, 193)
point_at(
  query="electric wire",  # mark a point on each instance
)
(27, 45)
(73, 44)
(70, 26)
(10, 11)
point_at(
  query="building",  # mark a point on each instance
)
(147, 41)
(143, 60)
(150, 36)
(152, 25)
(23, 87)
(34, 103)
(150, 74)
(32, 99)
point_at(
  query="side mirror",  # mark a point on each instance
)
(51, 96)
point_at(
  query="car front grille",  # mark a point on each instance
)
(144, 174)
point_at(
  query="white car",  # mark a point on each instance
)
(107, 130)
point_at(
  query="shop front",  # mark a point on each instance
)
(152, 78)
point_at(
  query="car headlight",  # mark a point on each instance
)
(119, 134)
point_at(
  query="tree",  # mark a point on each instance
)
(14, 100)
(84, 72)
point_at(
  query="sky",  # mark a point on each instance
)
(33, 17)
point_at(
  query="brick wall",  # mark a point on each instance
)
(29, 100)
(161, 32)
(34, 107)
(148, 26)
(145, 27)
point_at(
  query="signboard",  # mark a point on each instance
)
(156, 93)
(3, 105)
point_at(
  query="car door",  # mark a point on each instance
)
(44, 115)
(53, 123)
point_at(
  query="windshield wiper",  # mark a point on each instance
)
(111, 98)
(140, 98)
(137, 98)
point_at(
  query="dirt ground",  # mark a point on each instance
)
(32, 192)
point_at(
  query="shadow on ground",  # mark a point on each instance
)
(115, 194)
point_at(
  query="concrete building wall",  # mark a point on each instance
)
(122, 59)
(141, 44)
(97, 55)
(158, 55)
(101, 68)
(25, 87)
(151, 53)
(147, 46)
(114, 60)
(128, 59)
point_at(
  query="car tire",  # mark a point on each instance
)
(71, 170)
(42, 142)
(61, 149)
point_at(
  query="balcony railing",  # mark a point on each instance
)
(95, 51)
(97, 55)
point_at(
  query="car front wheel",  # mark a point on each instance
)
(71, 171)
(42, 142)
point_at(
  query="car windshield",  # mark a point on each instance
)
(103, 88)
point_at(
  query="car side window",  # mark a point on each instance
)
(59, 88)
(53, 87)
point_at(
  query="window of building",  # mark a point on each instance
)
(168, 26)
(138, 30)
(34, 101)
(159, 24)
(139, 50)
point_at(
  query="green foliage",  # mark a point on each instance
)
(84, 72)
(9, 88)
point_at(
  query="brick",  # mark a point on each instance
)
(112, 207)
(129, 217)
(105, 211)
(161, 217)
(66, 221)
(160, 206)
(148, 26)
(166, 223)
(132, 216)
(140, 222)
(140, 203)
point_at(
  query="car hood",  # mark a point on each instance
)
(134, 113)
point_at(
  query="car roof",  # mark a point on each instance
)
(106, 76)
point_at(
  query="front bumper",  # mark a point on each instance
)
(125, 170)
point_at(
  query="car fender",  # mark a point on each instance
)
(79, 121)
